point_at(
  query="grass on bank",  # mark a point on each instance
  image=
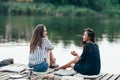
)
(15, 8)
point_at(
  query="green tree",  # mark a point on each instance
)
(115, 1)
(4, 0)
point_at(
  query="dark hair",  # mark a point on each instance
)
(91, 34)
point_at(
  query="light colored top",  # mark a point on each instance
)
(40, 53)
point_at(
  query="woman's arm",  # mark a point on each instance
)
(69, 64)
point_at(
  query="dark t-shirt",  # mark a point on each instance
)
(89, 63)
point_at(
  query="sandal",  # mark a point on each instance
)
(54, 66)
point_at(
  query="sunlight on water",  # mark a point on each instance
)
(19, 52)
(110, 54)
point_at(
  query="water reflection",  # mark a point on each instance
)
(66, 29)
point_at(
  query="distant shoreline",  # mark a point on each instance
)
(47, 9)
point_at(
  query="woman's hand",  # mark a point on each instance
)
(74, 53)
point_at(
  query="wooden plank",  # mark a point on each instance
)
(102, 75)
(114, 77)
(108, 76)
(5, 76)
(17, 65)
(24, 76)
(87, 79)
(2, 74)
(118, 78)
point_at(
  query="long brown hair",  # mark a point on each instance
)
(36, 37)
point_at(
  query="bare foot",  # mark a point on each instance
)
(56, 69)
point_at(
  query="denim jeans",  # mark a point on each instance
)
(42, 67)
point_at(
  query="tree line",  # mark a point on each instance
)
(96, 5)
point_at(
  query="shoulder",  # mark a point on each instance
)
(45, 39)
(90, 45)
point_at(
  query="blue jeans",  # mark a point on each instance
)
(42, 67)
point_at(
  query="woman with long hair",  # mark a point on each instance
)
(41, 57)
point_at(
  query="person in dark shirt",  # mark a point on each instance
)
(89, 61)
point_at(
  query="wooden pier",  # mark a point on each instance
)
(21, 72)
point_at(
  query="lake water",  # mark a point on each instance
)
(65, 34)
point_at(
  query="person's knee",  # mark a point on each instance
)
(72, 65)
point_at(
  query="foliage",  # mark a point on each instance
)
(61, 7)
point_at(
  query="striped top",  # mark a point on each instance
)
(40, 53)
